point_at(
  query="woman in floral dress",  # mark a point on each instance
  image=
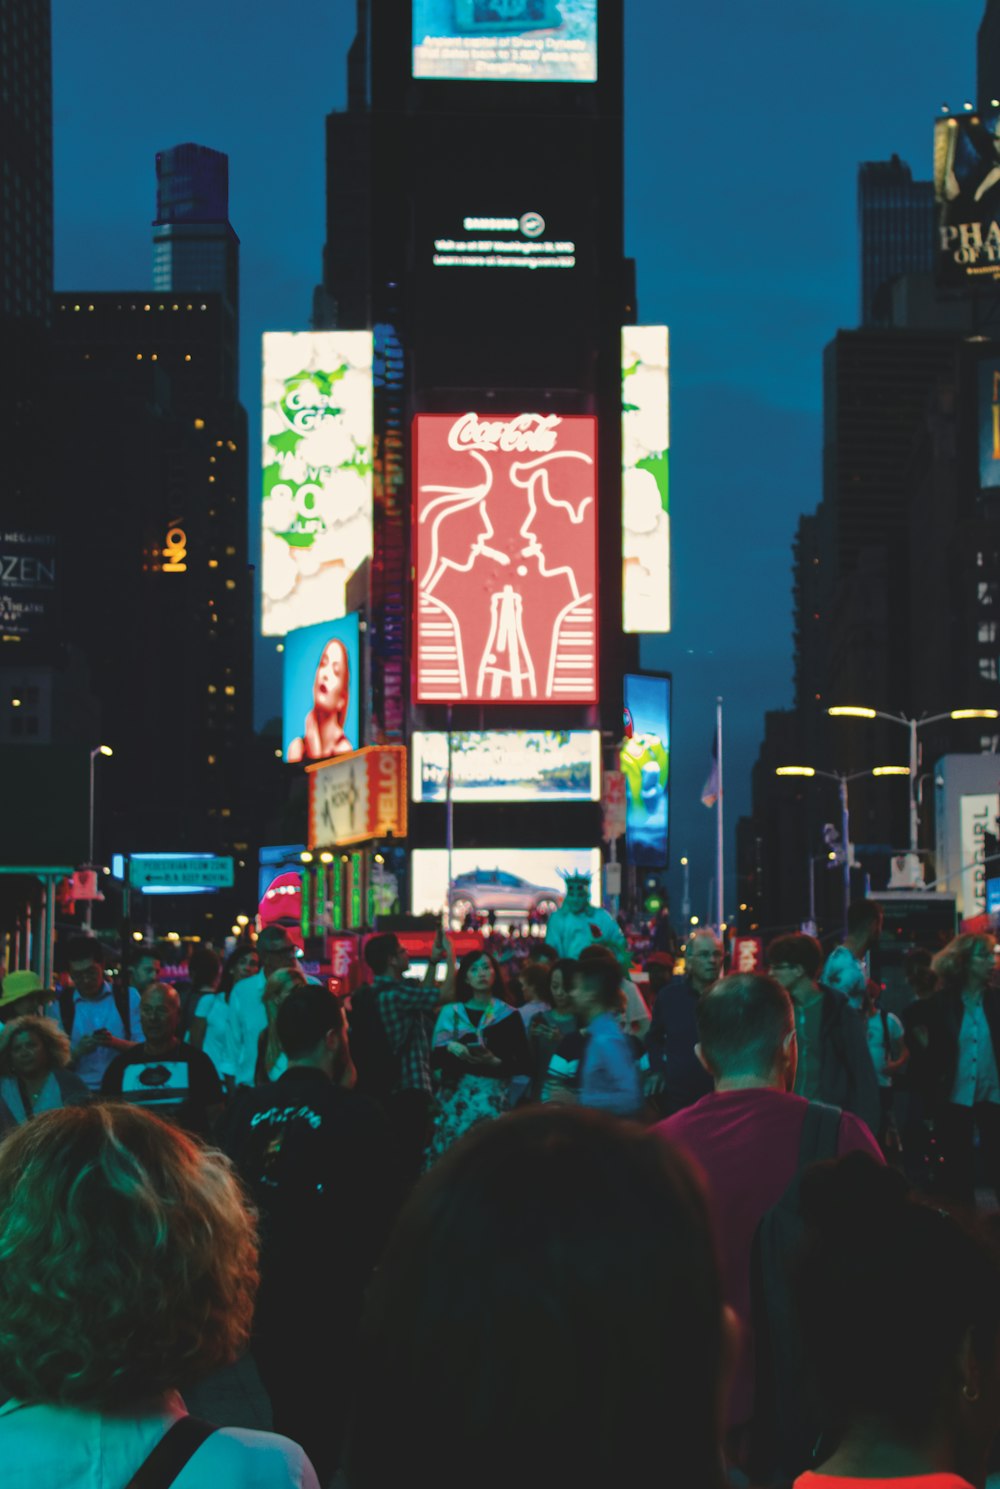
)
(479, 1045)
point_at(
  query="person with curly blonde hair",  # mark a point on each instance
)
(34, 1054)
(128, 1270)
(963, 1034)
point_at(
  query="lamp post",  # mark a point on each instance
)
(686, 892)
(912, 725)
(107, 751)
(845, 814)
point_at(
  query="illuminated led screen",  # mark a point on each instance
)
(522, 242)
(525, 41)
(967, 190)
(322, 690)
(508, 765)
(989, 422)
(505, 558)
(645, 764)
(512, 882)
(645, 478)
(316, 517)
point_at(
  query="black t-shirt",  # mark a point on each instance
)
(182, 1086)
(320, 1166)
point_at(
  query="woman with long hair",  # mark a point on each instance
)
(128, 1271)
(963, 1026)
(34, 1056)
(548, 1312)
(479, 1046)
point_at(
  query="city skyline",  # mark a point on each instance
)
(786, 204)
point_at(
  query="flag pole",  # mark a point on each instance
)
(719, 833)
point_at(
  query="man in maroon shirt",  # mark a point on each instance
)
(745, 1135)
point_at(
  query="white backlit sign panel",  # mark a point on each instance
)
(316, 517)
(508, 765)
(514, 883)
(645, 479)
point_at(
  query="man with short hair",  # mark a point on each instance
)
(162, 1074)
(673, 1032)
(318, 1160)
(847, 969)
(98, 1020)
(746, 1134)
(406, 1011)
(834, 1062)
(145, 969)
(247, 1018)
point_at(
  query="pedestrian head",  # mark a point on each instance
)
(917, 1363)
(794, 957)
(128, 1259)
(966, 963)
(145, 969)
(917, 971)
(703, 959)
(29, 1045)
(243, 962)
(385, 956)
(311, 1028)
(581, 1248)
(746, 1031)
(159, 1013)
(659, 969)
(479, 976)
(204, 969)
(21, 993)
(536, 980)
(276, 949)
(598, 987)
(564, 974)
(86, 961)
(864, 923)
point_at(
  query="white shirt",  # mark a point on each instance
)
(91, 1014)
(976, 1077)
(246, 1021)
(213, 1008)
(62, 1447)
(875, 1031)
(636, 1013)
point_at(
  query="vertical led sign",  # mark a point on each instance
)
(645, 764)
(505, 558)
(645, 478)
(316, 518)
(989, 422)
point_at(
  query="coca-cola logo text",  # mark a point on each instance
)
(524, 433)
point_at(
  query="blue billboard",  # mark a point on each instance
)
(989, 422)
(523, 41)
(645, 764)
(322, 693)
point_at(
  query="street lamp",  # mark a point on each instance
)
(107, 752)
(845, 815)
(854, 712)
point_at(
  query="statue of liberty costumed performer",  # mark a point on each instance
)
(578, 924)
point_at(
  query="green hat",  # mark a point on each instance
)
(17, 985)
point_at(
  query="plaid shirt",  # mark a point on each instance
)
(407, 1011)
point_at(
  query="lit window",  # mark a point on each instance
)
(212, 688)
(138, 356)
(230, 691)
(211, 478)
(213, 563)
(211, 759)
(187, 356)
(988, 668)
(199, 423)
(145, 307)
(230, 583)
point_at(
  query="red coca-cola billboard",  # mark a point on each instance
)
(505, 551)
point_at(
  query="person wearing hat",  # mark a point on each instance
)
(20, 993)
(247, 1015)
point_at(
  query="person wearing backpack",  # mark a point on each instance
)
(99, 1020)
(749, 1137)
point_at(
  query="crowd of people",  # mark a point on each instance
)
(580, 1222)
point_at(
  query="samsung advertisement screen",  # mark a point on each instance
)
(508, 765)
(322, 690)
(316, 512)
(517, 884)
(645, 763)
(519, 41)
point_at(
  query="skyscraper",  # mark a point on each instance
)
(896, 224)
(25, 158)
(194, 246)
(988, 57)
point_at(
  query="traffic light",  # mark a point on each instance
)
(654, 894)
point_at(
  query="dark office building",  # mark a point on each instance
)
(343, 299)
(25, 158)
(195, 249)
(988, 57)
(896, 226)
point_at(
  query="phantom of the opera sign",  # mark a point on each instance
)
(505, 527)
(967, 189)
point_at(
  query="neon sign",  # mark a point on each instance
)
(175, 550)
(505, 556)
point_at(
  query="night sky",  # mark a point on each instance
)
(745, 125)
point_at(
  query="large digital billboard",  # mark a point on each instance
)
(522, 242)
(645, 478)
(357, 798)
(645, 763)
(505, 557)
(517, 884)
(989, 422)
(316, 517)
(508, 765)
(525, 41)
(967, 190)
(322, 715)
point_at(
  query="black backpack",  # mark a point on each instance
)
(377, 1065)
(786, 1421)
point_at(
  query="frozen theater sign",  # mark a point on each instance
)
(505, 554)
